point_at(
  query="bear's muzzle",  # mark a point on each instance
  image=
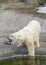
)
(10, 40)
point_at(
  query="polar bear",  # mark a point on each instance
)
(29, 35)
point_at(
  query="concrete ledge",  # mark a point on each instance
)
(23, 56)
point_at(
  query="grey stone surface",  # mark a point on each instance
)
(11, 21)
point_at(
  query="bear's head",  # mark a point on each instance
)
(16, 37)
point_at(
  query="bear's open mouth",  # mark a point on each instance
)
(10, 40)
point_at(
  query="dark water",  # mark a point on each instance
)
(24, 61)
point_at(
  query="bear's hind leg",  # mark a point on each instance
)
(31, 51)
(36, 43)
(31, 48)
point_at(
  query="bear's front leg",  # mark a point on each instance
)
(20, 44)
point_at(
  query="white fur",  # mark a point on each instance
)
(29, 35)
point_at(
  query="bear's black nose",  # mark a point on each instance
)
(10, 40)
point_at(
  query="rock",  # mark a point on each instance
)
(33, 3)
(41, 2)
(20, 4)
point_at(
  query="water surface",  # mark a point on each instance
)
(24, 61)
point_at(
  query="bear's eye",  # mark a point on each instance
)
(11, 35)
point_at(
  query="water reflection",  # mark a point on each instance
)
(24, 61)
